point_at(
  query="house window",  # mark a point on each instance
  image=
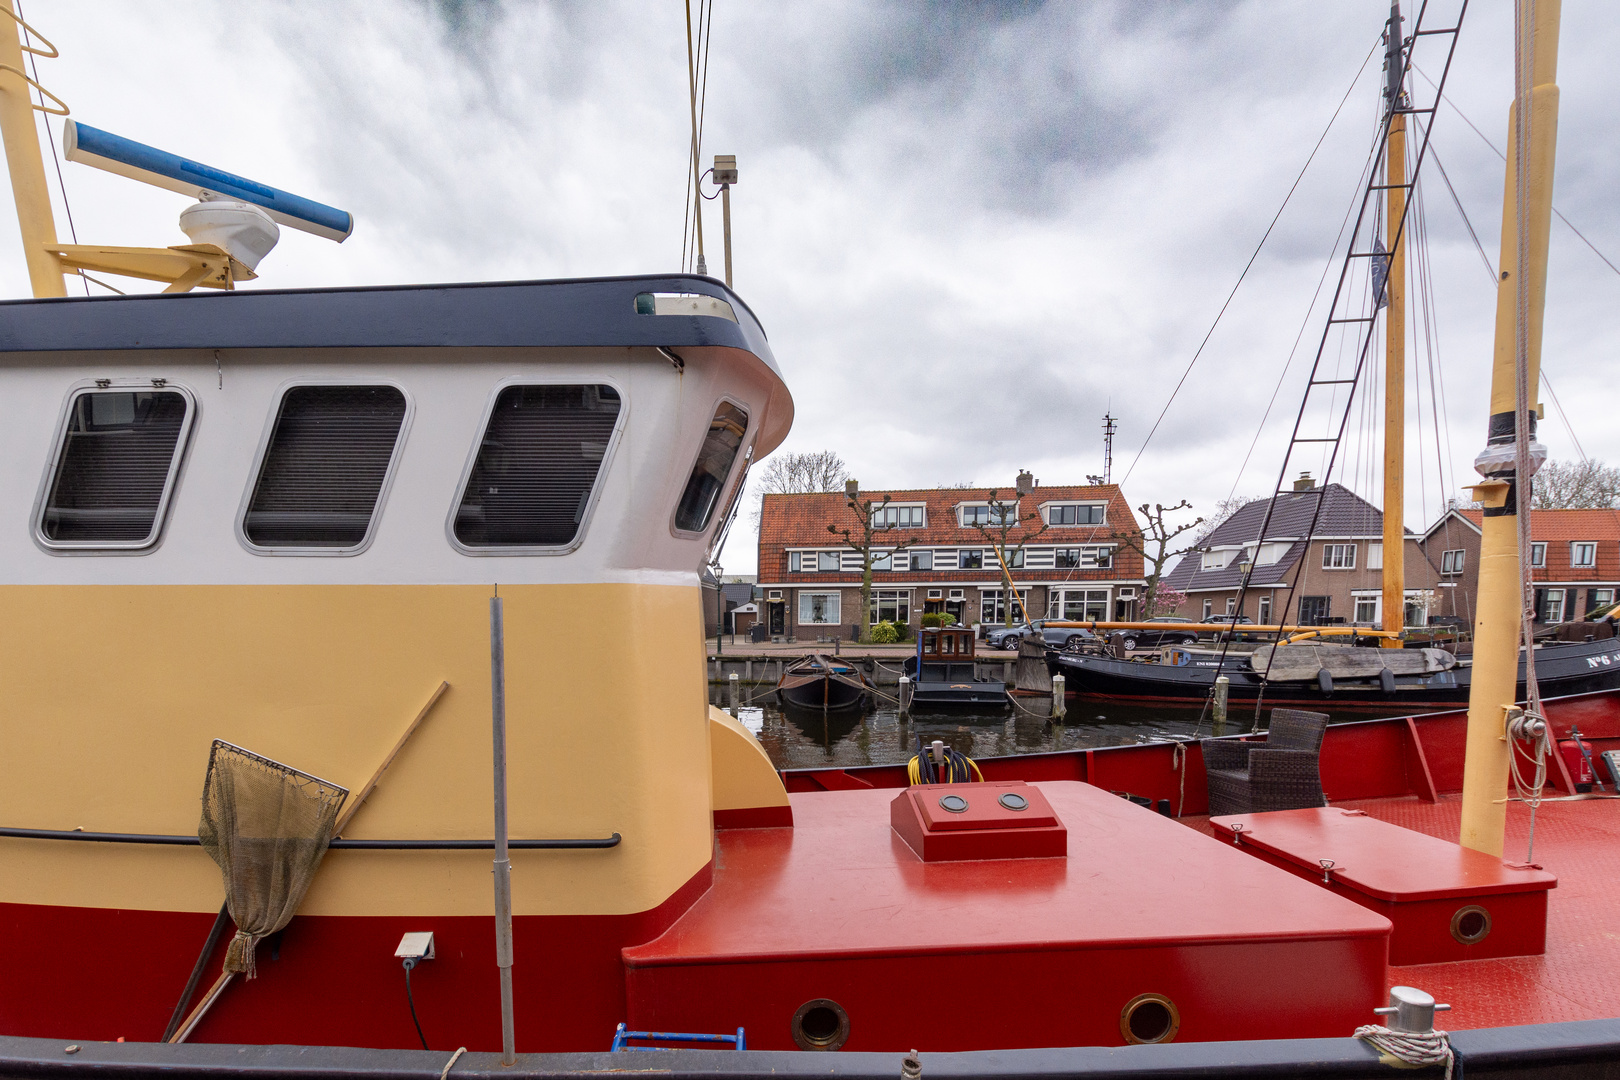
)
(971, 559)
(1064, 558)
(1077, 604)
(922, 560)
(1367, 610)
(993, 610)
(1015, 559)
(1598, 598)
(536, 467)
(882, 560)
(818, 608)
(323, 469)
(1451, 562)
(1582, 554)
(1265, 610)
(1375, 556)
(985, 514)
(891, 606)
(1552, 606)
(897, 517)
(1313, 610)
(1209, 608)
(1075, 514)
(793, 562)
(1216, 560)
(1231, 605)
(1538, 555)
(1103, 557)
(1338, 556)
(115, 468)
(708, 479)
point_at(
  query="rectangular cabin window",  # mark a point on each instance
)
(708, 479)
(115, 469)
(324, 467)
(537, 466)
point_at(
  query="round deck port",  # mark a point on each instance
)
(820, 1024)
(1471, 924)
(1149, 1018)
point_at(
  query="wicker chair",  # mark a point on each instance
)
(1282, 773)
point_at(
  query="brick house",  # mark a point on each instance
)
(1342, 578)
(1574, 561)
(1076, 568)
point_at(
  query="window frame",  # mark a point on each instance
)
(884, 508)
(837, 602)
(277, 400)
(1328, 550)
(1538, 547)
(1453, 561)
(1589, 564)
(589, 513)
(1047, 510)
(171, 482)
(722, 507)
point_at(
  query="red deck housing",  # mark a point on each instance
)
(1009, 820)
(1446, 902)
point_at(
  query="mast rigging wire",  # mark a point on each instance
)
(1248, 265)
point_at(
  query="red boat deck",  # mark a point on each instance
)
(1578, 978)
(1005, 952)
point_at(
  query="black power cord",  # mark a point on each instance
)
(410, 962)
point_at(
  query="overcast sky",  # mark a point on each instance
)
(969, 229)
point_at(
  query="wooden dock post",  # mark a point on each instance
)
(736, 698)
(1060, 708)
(904, 696)
(1221, 685)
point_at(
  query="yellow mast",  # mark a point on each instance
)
(1394, 577)
(27, 166)
(1498, 621)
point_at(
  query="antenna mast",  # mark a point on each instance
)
(1109, 427)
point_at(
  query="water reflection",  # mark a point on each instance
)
(801, 740)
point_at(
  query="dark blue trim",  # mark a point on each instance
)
(585, 313)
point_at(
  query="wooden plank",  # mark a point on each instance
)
(1301, 663)
(371, 785)
(1421, 773)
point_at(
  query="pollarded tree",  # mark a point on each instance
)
(1153, 544)
(862, 539)
(1003, 521)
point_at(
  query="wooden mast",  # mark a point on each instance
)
(1394, 577)
(1499, 615)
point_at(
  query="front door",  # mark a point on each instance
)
(1314, 610)
(778, 617)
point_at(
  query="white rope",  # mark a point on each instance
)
(1413, 1048)
(453, 1058)
(1178, 761)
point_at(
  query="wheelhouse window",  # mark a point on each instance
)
(818, 608)
(1582, 554)
(1451, 562)
(537, 466)
(115, 468)
(898, 517)
(1076, 514)
(720, 448)
(324, 467)
(1338, 556)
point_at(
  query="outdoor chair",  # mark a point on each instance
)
(1282, 773)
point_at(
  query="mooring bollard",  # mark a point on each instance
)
(1060, 708)
(903, 695)
(731, 683)
(1221, 685)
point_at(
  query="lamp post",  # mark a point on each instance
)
(725, 174)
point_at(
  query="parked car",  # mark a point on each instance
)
(1154, 639)
(1233, 620)
(1057, 637)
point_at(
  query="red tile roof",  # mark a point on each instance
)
(1560, 528)
(800, 521)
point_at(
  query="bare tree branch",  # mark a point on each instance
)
(1576, 485)
(1153, 544)
(862, 540)
(1004, 519)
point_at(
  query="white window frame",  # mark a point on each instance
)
(920, 553)
(1209, 608)
(1264, 610)
(280, 399)
(1547, 601)
(1007, 509)
(171, 481)
(602, 472)
(1231, 605)
(835, 607)
(1373, 601)
(882, 561)
(1339, 556)
(1047, 509)
(1452, 562)
(1538, 555)
(1375, 555)
(885, 507)
(1575, 562)
(901, 598)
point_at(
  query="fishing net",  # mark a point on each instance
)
(267, 826)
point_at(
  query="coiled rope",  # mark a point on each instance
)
(1410, 1047)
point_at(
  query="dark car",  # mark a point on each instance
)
(1171, 634)
(1056, 637)
(1232, 620)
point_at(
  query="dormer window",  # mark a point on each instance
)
(1076, 513)
(988, 514)
(1218, 559)
(895, 516)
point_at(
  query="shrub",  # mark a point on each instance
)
(939, 618)
(883, 633)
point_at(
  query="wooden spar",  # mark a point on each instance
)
(26, 164)
(1394, 574)
(1499, 614)
(376, 778)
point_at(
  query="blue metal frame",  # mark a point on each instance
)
(621, 1036)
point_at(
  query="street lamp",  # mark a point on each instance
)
(725, 174)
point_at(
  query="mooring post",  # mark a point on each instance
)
(1060, 708)
(903, 695)
(503, 863)
(1222, 683)
(731, 686)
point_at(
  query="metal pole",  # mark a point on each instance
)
(503, 864)
(725, 214)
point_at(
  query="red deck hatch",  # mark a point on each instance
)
(942, 822)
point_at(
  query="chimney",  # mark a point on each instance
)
(1304, 483)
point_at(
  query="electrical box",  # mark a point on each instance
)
(416, 946)
(944, 822)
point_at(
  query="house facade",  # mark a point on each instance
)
(1340, 582)
(1067, 560)
(1574, 561)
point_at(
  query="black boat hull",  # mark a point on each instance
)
(1562, 668)
(823, 694)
